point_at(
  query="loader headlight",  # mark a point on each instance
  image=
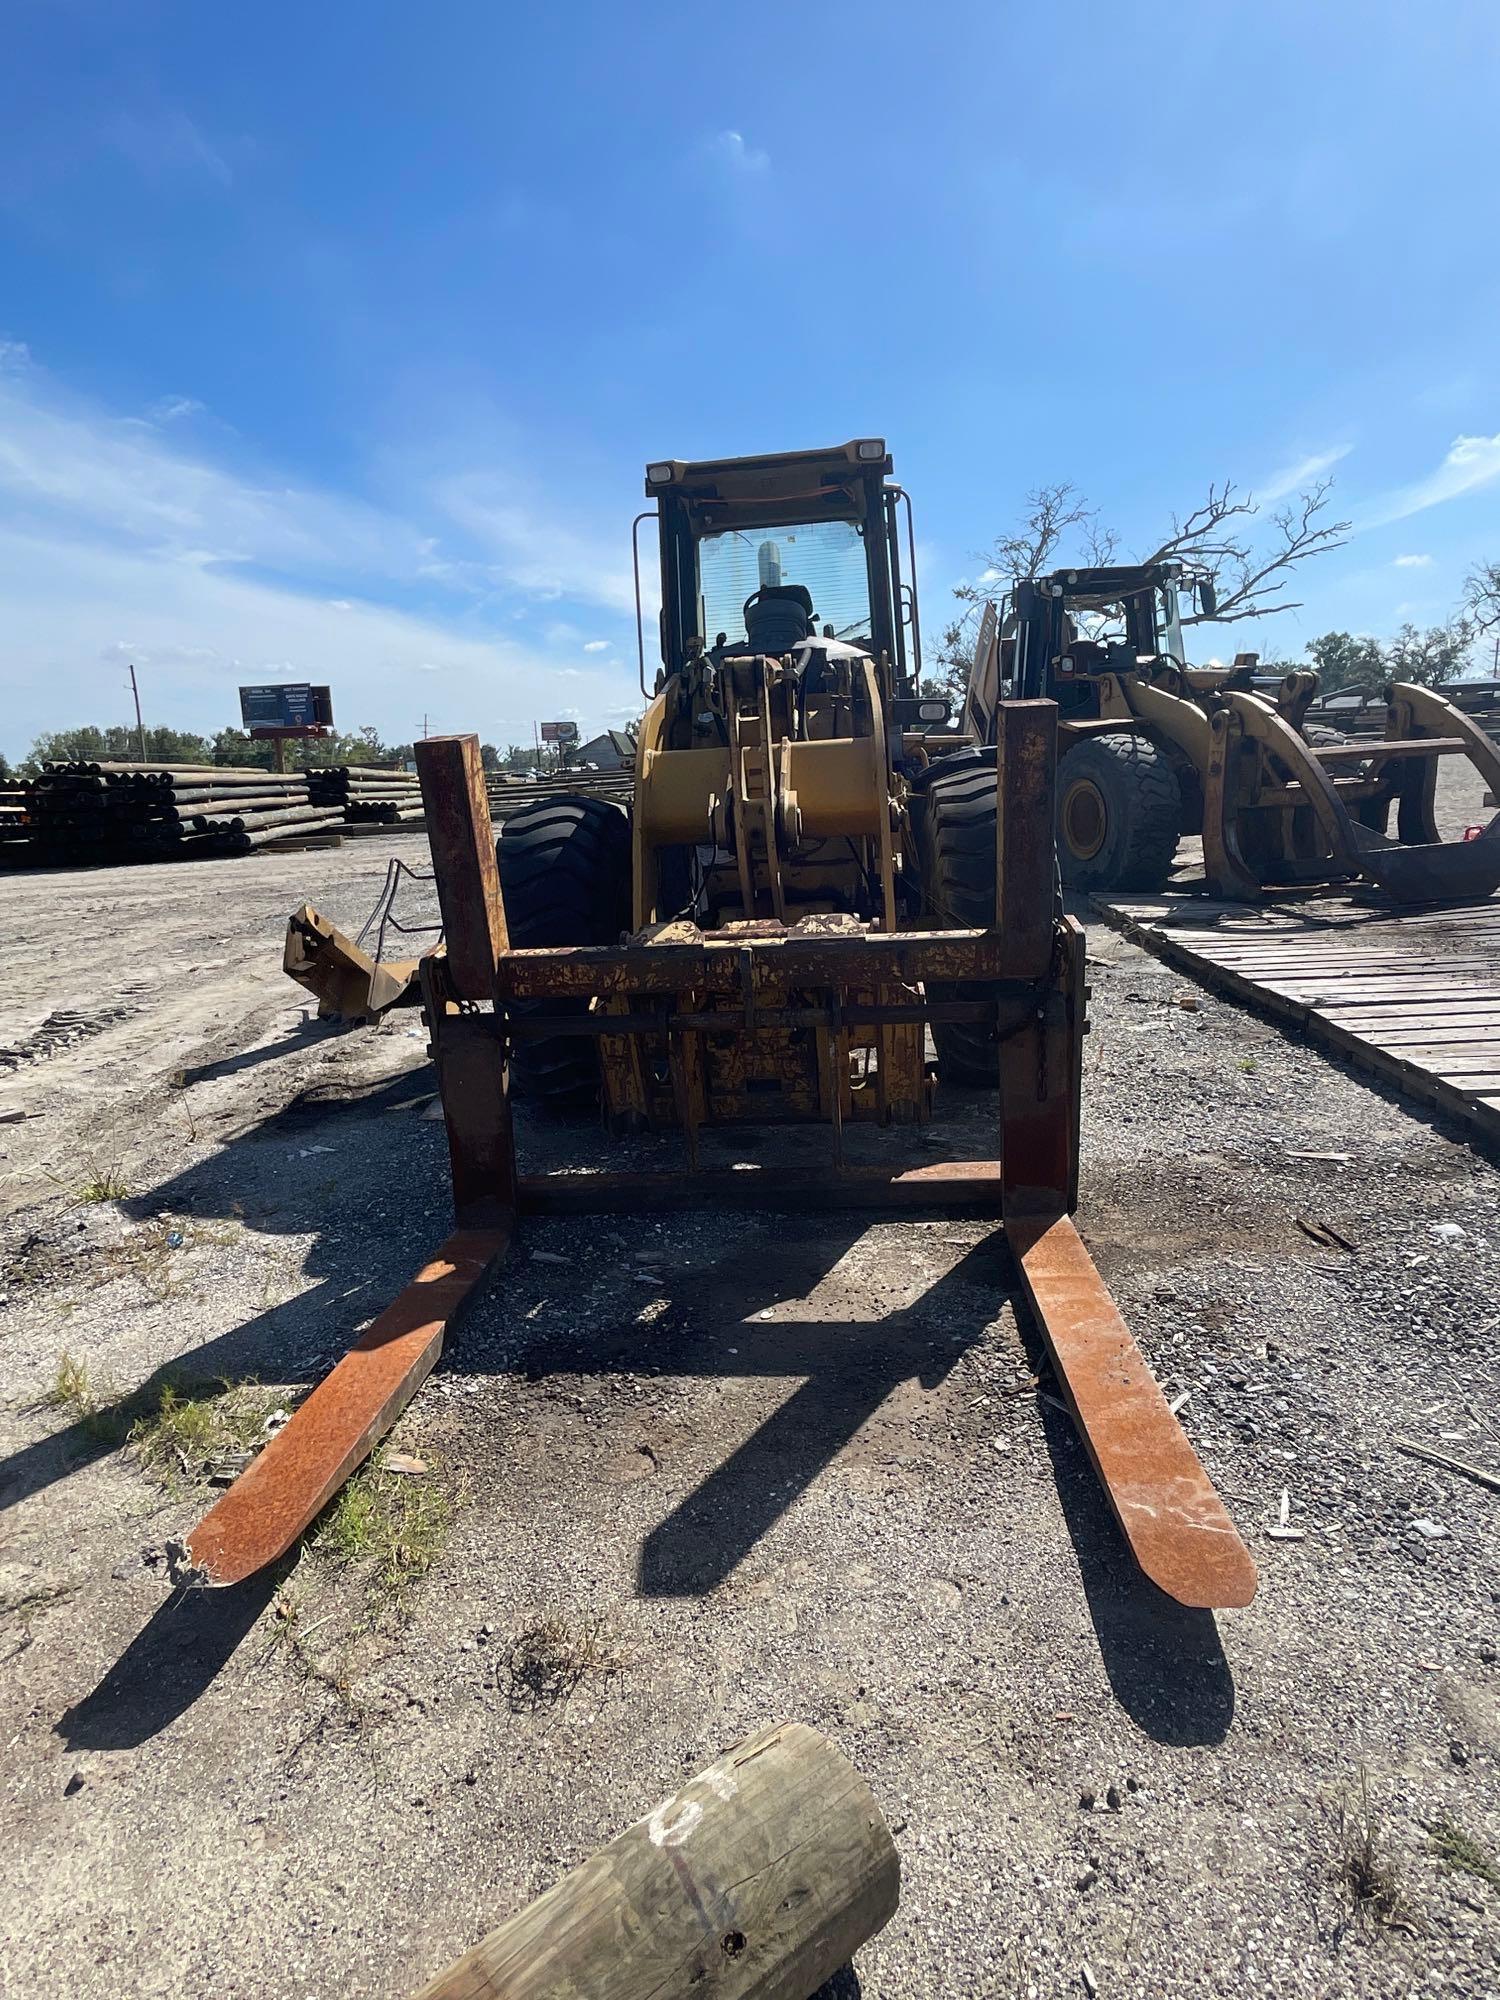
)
(932, 711)
(658, 475)
(870, 449)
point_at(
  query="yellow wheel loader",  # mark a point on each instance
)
(796, 894)
(1152, 749)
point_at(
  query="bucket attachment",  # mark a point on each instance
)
(1443, 871)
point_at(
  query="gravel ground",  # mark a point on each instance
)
(731, 1469)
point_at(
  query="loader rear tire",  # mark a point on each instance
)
(564, 879)
(958, 891)
(1119, 814)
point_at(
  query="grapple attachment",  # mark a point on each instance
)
(1279, 811)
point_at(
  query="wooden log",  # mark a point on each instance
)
(251, 822)
(757, 1881)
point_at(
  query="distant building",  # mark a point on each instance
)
(613, 751)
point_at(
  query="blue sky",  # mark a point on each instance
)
(336, 338)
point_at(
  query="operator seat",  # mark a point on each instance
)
(778, 618)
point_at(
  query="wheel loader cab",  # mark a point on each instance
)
(752, 546)
(767, 771)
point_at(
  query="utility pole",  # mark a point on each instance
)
(140, 727)
(536, 737)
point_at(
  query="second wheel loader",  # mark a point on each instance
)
(1153, 749)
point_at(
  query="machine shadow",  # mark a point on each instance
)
(850, 1368)
(173, 1659)
(1165, 1662)
(306, 1035)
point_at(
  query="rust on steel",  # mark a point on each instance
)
(470, 1061)
(349, 984)
(1025, 846)
(970, 1186)
(470, 1058)
(1041, 1089)
(1165, 1503)
(457, 811)
(282, 1492)
(714, 964)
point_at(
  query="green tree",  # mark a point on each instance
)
(234, 749)
(118, 742)
(1344, 661)
(489, 757)
(1432, 657)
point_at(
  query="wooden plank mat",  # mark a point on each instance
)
(1425, 1021)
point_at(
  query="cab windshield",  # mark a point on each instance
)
(827, 557)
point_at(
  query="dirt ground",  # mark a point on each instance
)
(690, 1474)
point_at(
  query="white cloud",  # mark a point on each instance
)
(1302, 473)
(1471, 463)
(1413, 562)
(596, 645)
(525, 549)
(169, 409)
(14, 355)
(118, 544)
(729, 147)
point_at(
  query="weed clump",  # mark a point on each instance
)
(392, 1526)
(1461, 1853)
(1367, 1872)
(195, 1433)
(550, 1659)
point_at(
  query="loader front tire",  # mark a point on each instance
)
(1119, 814)
(564, 879)
(957, 854)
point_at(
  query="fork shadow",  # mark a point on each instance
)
(172, 1660)
(1165, 1661)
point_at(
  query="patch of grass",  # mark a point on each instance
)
(185, 1435)
(552, 1658)
(70, 1387)
(103, 1184)
(1248, 1065)
(1460, 1852)
(73, 1391)
(1369, 1876)
(392, 1527)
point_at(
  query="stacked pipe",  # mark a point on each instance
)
(15, 824)
(508, 793)
(109, 812)
(368, 792)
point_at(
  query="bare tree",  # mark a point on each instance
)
(1215, 538)
(1248, 582)
(1052, 514)
(1482, 597)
